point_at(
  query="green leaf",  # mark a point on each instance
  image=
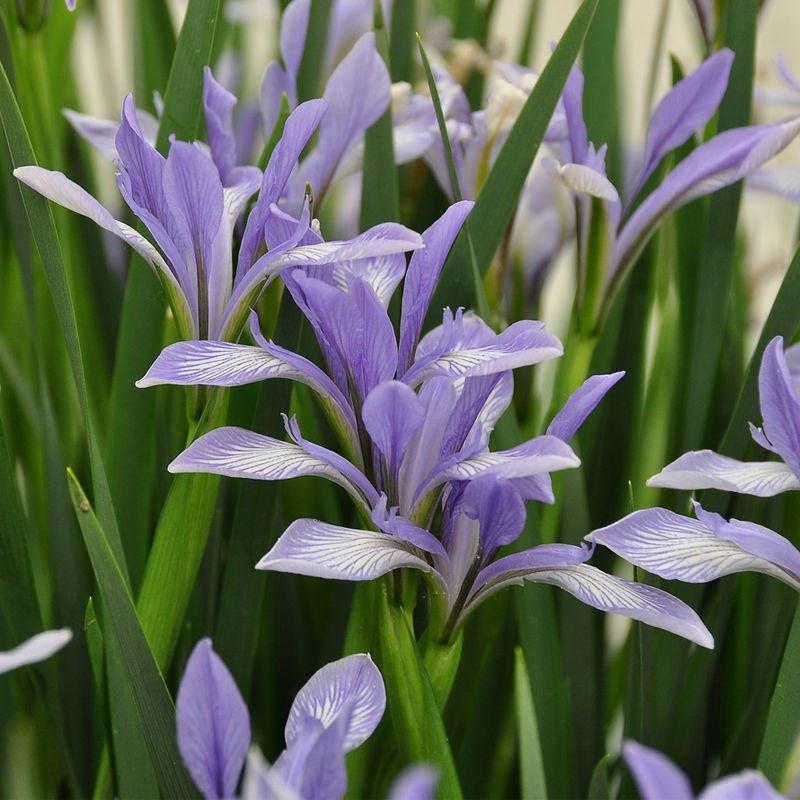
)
(401, 40)
(316, 39)
(153, 50)
(418, 726)
(379, 193)
(44, 233)
(500, 193)
(598, 787)
(254, 527)
(783, 722)
(531, 765)
(715, 277)
(156, 714)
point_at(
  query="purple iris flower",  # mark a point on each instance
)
(699, 550)
(414, 417)
(335, 712)
(658, 778)
(687, 107)
(779, 391)
(192, 201)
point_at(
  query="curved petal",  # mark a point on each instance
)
(521, 344)
(745, 785)
(580, 404)
(780, 405)
(676, 547)
(539, 455)
(294, 26)
(37, 648)
(655, 775)
(352, 684)
(705, 469)
(212, 723)
(311, 547)
(685, 109)
(392, 414)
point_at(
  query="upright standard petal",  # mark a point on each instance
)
(294, 26)
(676, 547)
(423, 275)
(314, 548)
(745, 785)
(392, 414)
(37, 648)
(685, 109)
(358, 93)
(780, 405)
(580, 404)
(721, 161)
(352, 686)
(655, 775)
(212, 723)
(705, 469)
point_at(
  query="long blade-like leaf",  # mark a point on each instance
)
(530, 752)
(151, 698)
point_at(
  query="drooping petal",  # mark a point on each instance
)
(318, 549)
(721, 161)
(212, 722)
(583, 179)
(392, 414)
(655, 775)
(37, 648)
(676, 547)
(239, 453)
(539, 455)
(598, 589)
(780, 405)
(415, 783)
(358, 93)
(101, 133)
(521, 344)
(580, 404)
(745, 785)
(705, 469)
(423, 275)
(353, 685)
(685, 109)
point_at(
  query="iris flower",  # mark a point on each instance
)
(698, 550)
(414, 417)
(335, 712)
(191, 203)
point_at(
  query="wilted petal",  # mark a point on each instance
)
(539, 455)
(311, 547)
(655, 775)
(745, 785)
(358, 93)
(392, 414)
(685, 109)
(723, 160)
(580, 404)
(705, 469)
(780, 405)
(423, 275)
(352, 685)
(212, 722)
(521, 344)
(37, 648)
(676, 547)
(415, 783)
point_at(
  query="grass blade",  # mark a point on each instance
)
(530, 752)
(498, 197)
(156, 714)
(715, 277)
